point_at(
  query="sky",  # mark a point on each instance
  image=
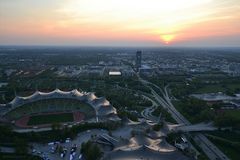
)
(120, 22)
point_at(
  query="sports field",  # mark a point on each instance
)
(51, 106)
(50, 118)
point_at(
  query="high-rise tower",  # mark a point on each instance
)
(138, 60)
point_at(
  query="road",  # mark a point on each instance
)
(207, 147)
(147, 113)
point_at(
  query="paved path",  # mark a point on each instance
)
(7, 149)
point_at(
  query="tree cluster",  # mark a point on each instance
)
(91, 151)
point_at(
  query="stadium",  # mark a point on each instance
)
(42, 109)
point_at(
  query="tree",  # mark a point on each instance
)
(157, 127)
(60, 149)
(225, 120)
(21, 146)
(6, 133)
(56, 126)
(91, 151)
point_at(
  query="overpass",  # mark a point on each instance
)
(192, 128)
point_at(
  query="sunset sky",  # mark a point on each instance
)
(120, 22)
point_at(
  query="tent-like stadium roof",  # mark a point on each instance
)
(88, 97)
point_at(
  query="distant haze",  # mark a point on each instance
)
(120, 22)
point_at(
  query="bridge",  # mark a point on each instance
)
(192, 128)
(107, 140)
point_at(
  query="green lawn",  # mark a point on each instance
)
(52, 105)
(211, 89)
(226, 141)
(52, 118)
(233, 113)
(180, 109)
(230, 136)
(231, 151)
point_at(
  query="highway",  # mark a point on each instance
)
(207, 147)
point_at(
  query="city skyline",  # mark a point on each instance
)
(120, 23)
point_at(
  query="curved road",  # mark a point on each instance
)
(208, 147)
(147, 113)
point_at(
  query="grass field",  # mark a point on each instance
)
(218, 88)
(230, 136)
(233, 113)
(225, 146)
(211, 89)
(50, 118)
(51, 105)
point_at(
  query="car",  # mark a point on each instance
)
(80, 156)
(57, 142)
(74, 153)
(71, 157)
(63, 154)
(38, 152)
(51, 143)
(184, 139)
(67, 141)
(74, 148)
(35, 127)
(34, 151)
(75, 145)
(44, 156)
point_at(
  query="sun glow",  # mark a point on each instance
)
(119, 22)
(135, 16)
(167, 38)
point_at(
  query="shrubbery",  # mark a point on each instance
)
(91, 151)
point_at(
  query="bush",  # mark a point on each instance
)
(157, 127)
(91, 151)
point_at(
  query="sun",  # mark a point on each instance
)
(167, 38)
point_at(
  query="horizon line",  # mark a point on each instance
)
(120, 46)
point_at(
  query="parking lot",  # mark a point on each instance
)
(46, 150)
